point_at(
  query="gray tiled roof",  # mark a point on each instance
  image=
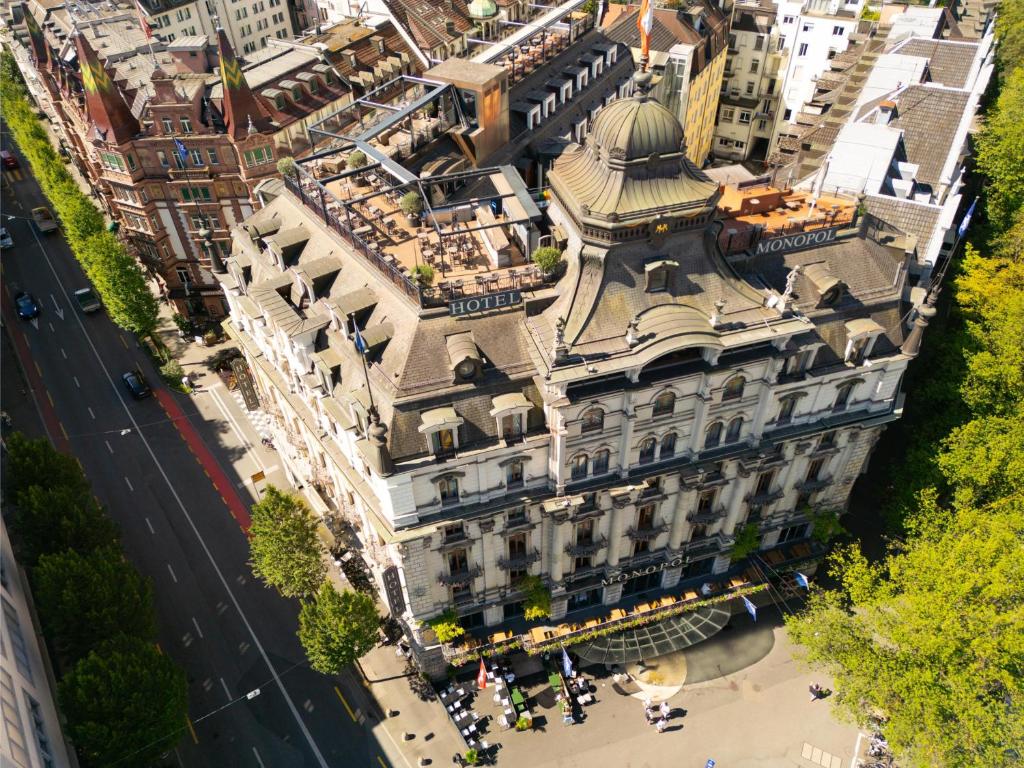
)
(948, 62)
(909, 216)
(929, 118)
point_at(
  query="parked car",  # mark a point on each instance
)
(5, 238)
(28, 307)
(44, 220)
(8, 160)
(87, 300)
(136, 385)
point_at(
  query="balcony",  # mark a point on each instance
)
(762, 499)
(705, 545)
(518, 562)
(706, 516)
(586, 549)
(646, 534)
(456, 578)
(809, 486)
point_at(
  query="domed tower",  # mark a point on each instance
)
(643, 266)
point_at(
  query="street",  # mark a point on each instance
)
(167, 480)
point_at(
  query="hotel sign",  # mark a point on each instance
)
(797, 241)
(483, 303)
(627, 575)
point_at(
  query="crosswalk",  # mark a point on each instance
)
(14, 175)
(260, 419)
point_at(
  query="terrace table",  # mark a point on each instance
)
(618, 613)
(517, 698)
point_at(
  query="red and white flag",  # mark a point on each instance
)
(645, 22)
(481, 676)
(142, 19)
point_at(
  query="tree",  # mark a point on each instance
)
(286, 167)
(336, 628)
(85, 599)
(411, 204)
(121, 283)
(933, 638)
(546, 258)
(999, 155)
(125, 702)
(36, 462)
(537, 598)
(446, 627)
(748, 541)
(356, 159)
(286, 552)
(55, 518)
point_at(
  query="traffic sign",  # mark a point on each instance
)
(709, 764)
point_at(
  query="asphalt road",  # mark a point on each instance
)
(232, 635)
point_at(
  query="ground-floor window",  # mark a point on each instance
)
(472, 620)
(642, 583)
(699, 568)
(584, 599)
(513, 610)
(793, 533)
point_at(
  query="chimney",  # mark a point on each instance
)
(449, 27)
(886, 112)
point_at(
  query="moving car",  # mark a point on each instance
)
(87, 300)
(9, 161)
(28, 307)
(5, 238)
(44, 220)
(136, 385)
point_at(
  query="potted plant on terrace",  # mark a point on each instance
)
(547, 260)
(412, 206)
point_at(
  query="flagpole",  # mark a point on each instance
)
(362, 356)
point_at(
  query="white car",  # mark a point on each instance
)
(5, 238)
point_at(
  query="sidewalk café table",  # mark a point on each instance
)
(453, 697)
(690, 595)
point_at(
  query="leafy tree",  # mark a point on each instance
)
(86, 599)
(825, 525)
(121, 283)
(286, 552)
(336, 628)
(356, 159)
(411, 204)
(537, 598)
(124, 702)
(983, 459)
(55, 518)
(446, 627)
(36, 462)
(1010, 31)
(286, 167)
(999, 155)
(933, 637)
(748, 541)
(546, 257)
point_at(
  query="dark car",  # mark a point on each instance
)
(28, 307)
(9, 161)
(136, 385)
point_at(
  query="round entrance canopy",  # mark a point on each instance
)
(672, 634)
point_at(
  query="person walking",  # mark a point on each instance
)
(666, 710)
(660, 725)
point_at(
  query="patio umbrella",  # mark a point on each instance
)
(566, 663)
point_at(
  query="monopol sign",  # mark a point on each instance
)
(797, 241)
(627, 575)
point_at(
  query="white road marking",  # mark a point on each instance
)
(52, 329)
(188, 518)
(56, 305)
(130, 487)
(65, 354)
(150, 526)
(227, 691)
(109, 447)
(172, 573)
(258, 758)
(196, 625)
(75, 379)
(90, 411)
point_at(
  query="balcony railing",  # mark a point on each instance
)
(814, 485)
(518, 562)
(767, 497)
(587, 548)
(463, 576)
(646, 534)
(707, 515)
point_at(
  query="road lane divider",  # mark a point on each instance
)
(192, 730)
(347, 707)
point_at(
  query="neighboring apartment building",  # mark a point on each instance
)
(31, 735)
(748, 108)
(610, 432)
(248, 25)
(122, 113)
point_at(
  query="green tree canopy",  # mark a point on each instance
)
(286, 552)
(36, 462)
(933, 638)
(86, 599)
(999, 154)
(121, 283)
(125, 702)
(58, 517)
(336, 628)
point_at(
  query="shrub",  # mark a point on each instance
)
(748, 541)
(538, 598)
(423, 273)
(411, 204)
(171, 372)
(447, 627)
(523, 724)
(547, 258)
(472, 756)
(356, 160)
(286, 167)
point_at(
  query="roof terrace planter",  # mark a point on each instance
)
(459, 578)
(588, 549)
(646, 534)
(518, 562)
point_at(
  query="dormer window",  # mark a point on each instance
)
(464, 356)
(441, 427)
(861, 335)
(510, 411)
(297, 93)
(279, 101)
(658, 273)
(314, 85)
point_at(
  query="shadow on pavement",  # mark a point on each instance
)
(741, 644)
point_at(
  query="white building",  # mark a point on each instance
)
(613, 434)
(249, 24)
(31, 735)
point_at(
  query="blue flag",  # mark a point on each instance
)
(566, 664)
(358, 338)
(966, 222)
(751, 608)
(801, 580)
(179, 147)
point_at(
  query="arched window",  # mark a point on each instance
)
(579, 466)
(449, 490)
(601, 461)
(668, 446)
(843, 396)
(647, 450)
(714, 435)
(593, 420)
(664, 404)
(734, 388)
(732, 434)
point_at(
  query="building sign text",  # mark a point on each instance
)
(484, 303)
(797, 241)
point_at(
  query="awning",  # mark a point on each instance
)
(439, 418)
(509, 402)
(657, 639)
(863, 326)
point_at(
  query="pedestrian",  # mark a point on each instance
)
(660, 725)
(649, 714)
(815, 690)
(665, 709)
(185, 382)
